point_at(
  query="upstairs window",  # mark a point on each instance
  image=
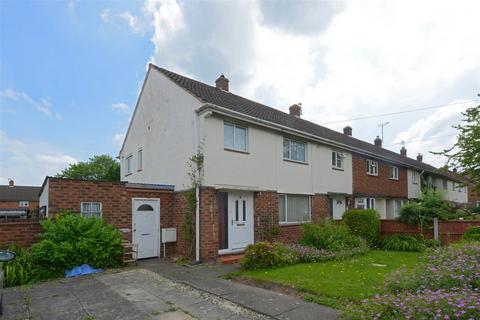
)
(372, 168)
(337, 160)
(294, 150)
(91, 209)
(393, 173)
(128, 165)
(234, 137)
(294, 208)
(140, 160)
(414, 177)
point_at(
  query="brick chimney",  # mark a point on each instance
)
(403, 151)
(11, 183)
(222, 83)
(420, 157)
(296, 109)
(347, 131)
(378, 141)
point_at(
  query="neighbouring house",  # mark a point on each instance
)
(263, 169)
(18, 201)
(473, 195)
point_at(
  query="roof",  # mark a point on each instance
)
(19, 193)
(225, 99)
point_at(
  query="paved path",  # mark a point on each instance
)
(134, 294)
(273, 304)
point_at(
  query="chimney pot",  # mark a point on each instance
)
(347, 130)
(296, 109)
(420, 157)
(378, 141)
(222, 83)
(11, 183)
(403, 151)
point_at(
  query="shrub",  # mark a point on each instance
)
(70, 240)
(364, 223)
(310, 254)
(262, 255)
(403, 242)
(472, 234)
(330, 236)
(18, 271)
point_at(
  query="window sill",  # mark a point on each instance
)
(295, 161)
(286, 224)
(394, 179)
(372, 175)
(338, 169)
(235, 150)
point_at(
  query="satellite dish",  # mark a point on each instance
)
(6, 255)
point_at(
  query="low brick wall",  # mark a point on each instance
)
(21, 232)
(449, 231)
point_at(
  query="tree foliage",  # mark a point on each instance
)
(102, 167)
(464, 155)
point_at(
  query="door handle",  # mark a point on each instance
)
(145, 234)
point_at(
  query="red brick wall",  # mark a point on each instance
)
(208, 224)
(15, 205)
(473, 195)
(20, 232)
(178, 214)
(266, 215)
(381, 185)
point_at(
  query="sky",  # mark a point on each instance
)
(71, 71)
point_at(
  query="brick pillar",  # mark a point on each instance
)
(320, 207)
(266, 215)
(209, 244)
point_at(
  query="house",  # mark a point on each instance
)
(17, 201)
(263, 169)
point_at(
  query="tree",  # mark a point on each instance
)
(464, 155)
(102, 167)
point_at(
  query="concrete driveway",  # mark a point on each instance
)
(131, 294)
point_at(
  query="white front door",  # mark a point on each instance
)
(338, 207)
(240, 220)
(146, 227)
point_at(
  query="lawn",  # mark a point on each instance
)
(336, 281)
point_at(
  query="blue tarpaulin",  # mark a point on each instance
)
(82, 270)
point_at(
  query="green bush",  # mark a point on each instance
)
(70, 240)
(262, 255)
(331, 236)
(472, 234)
(18, 271)
(364, 223)
(403, 242)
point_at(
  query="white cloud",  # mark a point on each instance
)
(28, 162)
(43, 105)
(105, 15)
(118, 139)
(121, 106)
(133, 21)
(433, 133)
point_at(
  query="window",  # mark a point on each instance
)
(140, 159)
(365, 203)
(128, 165)
(337, 160)
(23, 204)
(414, 177)
(91, 209)
(397, 206)
(372, 167)
(393, 173)
(294, 208)
(294, 150)
(234, 137)
(445, 184)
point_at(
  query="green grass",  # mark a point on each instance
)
(335, 282)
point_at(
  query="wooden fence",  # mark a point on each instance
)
(448, 231)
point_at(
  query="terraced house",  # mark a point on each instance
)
(262, 168)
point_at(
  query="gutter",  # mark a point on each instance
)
(237, 115)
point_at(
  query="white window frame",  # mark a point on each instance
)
(23, 203)
(140, 159)
(414, 177)
(372, 167)
(235, 126)
(289, 157)
(91, 213)
(393, 173)
(286, 222)
(128, 164)
(338, 158)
